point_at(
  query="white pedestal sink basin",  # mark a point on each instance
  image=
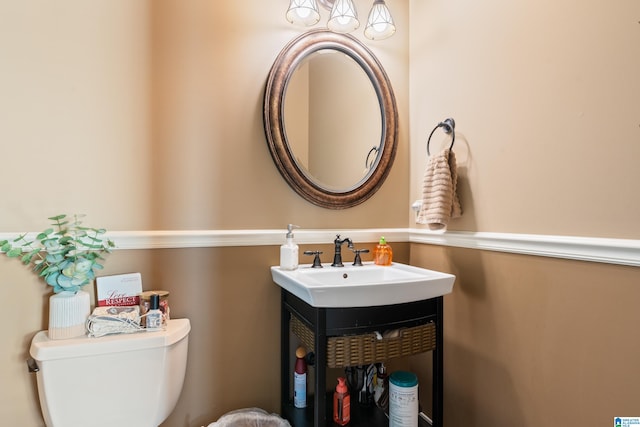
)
(363, 286)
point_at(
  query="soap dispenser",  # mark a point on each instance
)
(341, 403)
(289, 251)
(383, 254)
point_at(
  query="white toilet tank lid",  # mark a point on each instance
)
(43, 348)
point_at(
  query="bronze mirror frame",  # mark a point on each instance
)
(273, 113)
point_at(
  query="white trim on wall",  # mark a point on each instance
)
(604, 250)
(610, 251)
(219, 238)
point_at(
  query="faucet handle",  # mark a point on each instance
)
(357, 261)
(316, 260)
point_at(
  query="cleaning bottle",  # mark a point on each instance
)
(382, 254)
(341, 403)
(300, 379)
(289, 251)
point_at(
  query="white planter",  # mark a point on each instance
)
(68, 312)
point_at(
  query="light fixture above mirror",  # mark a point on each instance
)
(343, 17)
(303, 12)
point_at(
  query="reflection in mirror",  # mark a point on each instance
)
(332, 119)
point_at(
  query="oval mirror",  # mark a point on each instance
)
(330, 119)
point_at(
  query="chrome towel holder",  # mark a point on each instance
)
(448, 125)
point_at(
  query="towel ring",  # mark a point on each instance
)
(368, 166)
(449, 127)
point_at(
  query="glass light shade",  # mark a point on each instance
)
(343, 18)
(380, 23)
(304, 12)
(327, 4)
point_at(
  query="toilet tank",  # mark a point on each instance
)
(117, 380)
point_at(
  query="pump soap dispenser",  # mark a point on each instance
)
(382, 253)
(289, 251)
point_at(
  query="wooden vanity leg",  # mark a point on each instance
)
(438, 367)
(284, 355)
(319, 410)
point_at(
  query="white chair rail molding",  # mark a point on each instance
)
(593, 249)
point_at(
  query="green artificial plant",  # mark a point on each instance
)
(66, 256)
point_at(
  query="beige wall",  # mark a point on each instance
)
(341, 135)
(210, 64)
(146, 115)
(75, 118)
(534, 341)
(545, 97)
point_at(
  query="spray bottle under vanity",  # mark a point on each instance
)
(300, 379)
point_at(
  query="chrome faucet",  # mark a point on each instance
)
(337, 256)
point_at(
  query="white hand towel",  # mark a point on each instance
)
(440, 200)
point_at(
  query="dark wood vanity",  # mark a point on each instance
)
(327, 323)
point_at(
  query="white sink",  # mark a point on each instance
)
(363, 286)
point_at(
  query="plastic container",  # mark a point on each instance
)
(403, 399)
(382, 253)
(300, 379)
(341, 403)
(289, 251)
